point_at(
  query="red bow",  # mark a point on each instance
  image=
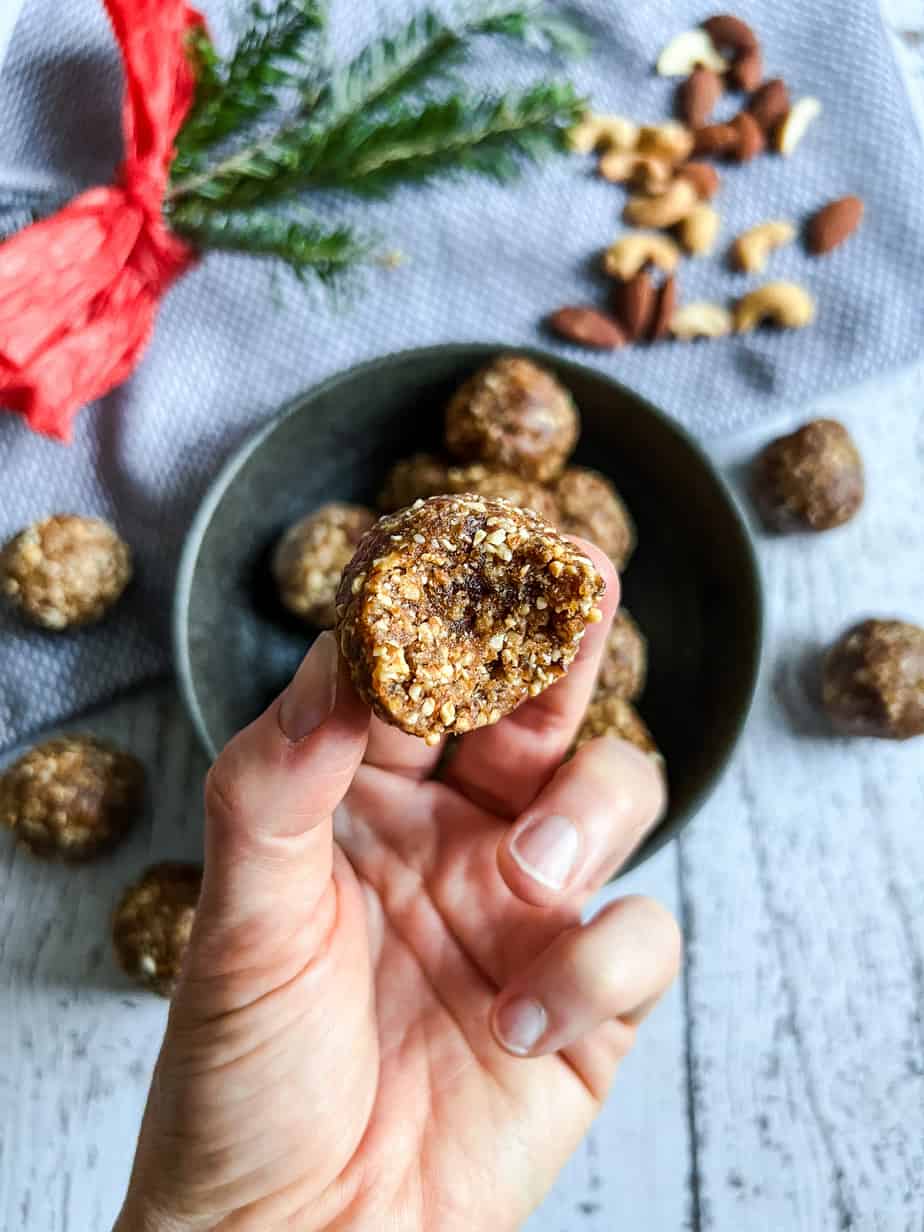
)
(79, 291)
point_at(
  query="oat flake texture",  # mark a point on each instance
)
(483, 262)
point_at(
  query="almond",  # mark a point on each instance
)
(748, 70)
(698, 95)
(716, 141)
(728, 31)
(751, 139)
(833, 224)
(770, 104)
(703, 177)
(664, 309)
(587, 327)
(635, 304)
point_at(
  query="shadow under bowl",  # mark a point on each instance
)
(693, 584)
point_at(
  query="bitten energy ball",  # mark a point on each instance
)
(513, 415)
(591, 507)
(874, 680)
(506, 485)
(611, 715)
(310, 557)
(811, 479)
(152, 923)
(72, 796)
(625, 659)
(456, 610)
(65, 571)
(412, 479)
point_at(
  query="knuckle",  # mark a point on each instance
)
(223, 799)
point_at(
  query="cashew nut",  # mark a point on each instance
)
(794, 127)
(752, 248)
(784, 303)
(671, 207)
(672, 141)
(644, 171)
(629, 254)
(701, 320)
(698, 231)
(602, 132)
(682, 54)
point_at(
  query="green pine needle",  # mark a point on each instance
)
(303, 242)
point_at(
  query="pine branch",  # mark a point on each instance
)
(232, 95)
(303, 242)
(359, 99)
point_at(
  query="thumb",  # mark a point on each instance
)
(270, 796)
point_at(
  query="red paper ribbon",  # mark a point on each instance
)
(79, 291)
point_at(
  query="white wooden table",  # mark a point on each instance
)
(778, 1088)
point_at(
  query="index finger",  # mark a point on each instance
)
(502, 768)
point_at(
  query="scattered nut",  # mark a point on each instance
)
(631, 253)
(457, 602)
(730, 34)
(703, 177)
(833, 224)
(699, 230)
(665, 308)
(671, 207)
(72, 797)
(873, 681)
(752, 248)
(634, 304)
(602, 132)
(698, 95)
(65, 571)
(515, 415)
(701, 319)
(785, 304)
(751, 140)
(811, 479)
(587, 327)
(152, 924)
(670, 141)
(748, 70)
(794, 127)
(644, 171)
(687, 50)
(770, 104)
(716, 141)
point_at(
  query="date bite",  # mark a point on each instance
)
(456, 610)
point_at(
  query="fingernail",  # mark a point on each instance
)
(546, 849)
(310, 697)
(520, 1024)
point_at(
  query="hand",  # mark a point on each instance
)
(391, 1016)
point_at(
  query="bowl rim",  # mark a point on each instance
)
(192, 543)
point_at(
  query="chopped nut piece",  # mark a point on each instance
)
(591, 507)
(73, 797)
(516, 415)
(477, 643)
(310, 556)
(65, 571)
(152, 924)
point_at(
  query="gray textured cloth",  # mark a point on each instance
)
(484, 263)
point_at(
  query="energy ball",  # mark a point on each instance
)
(507, 485)
(625, 659)
(65, 571)
(72, 797)
(456, 610)
(590, 506)
(310, 557)
(513, 415)
(873, 682)
(811, 479)
(412, 479)
(152, 923)
(611, 715)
